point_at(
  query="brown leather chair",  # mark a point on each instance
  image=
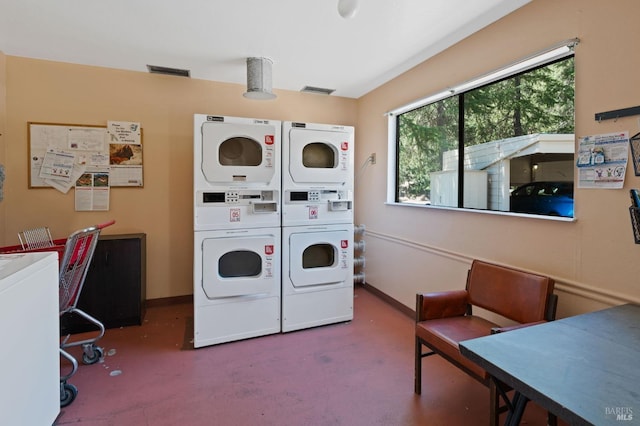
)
(445, 318)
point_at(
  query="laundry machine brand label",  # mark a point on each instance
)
(269, 251)
(268, 270)
(234, 215)
(345, 262)
(268, 157)
(313, 212)
(344, 158)
(269, 141)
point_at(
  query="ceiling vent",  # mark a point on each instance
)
(259, 79)
(317, 90)
(154, 69)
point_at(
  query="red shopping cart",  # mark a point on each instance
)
(75, 255)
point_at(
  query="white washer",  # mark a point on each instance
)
(237, 172)
(317, 177)
(237, 280)
(317, 282)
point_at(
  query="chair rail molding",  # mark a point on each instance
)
(563, 284)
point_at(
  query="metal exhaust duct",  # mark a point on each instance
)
(259, 79)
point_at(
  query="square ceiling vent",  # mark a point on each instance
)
(317, 90)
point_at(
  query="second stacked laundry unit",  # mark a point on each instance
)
(317, 224)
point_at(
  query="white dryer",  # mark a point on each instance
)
(317, 282)
(317, 177)
(237, 280)
(237, 172)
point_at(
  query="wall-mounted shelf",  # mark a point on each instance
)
(617, 113)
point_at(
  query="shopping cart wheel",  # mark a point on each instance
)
(68, 393)
(92, 354)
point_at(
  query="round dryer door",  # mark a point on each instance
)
(235, 152)
(319, 156)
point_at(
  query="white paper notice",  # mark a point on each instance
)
(86, 139)
(92, 191)
(602, 160)
(64, 186)
(57, 165)
(125, 153)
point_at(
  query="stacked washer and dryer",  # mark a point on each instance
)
(317, 225)
(273, 227)
(237, 251)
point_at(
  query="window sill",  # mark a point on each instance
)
(489, 212)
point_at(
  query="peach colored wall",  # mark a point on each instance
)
(594, 259)
(56, 92)
(3, 118)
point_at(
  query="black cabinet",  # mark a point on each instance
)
(114, 290)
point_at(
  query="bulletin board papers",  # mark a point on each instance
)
(125, 153)
(83, 143)
(602, 160)
(64, 186)
(57, 165)
(92, 191)
(117, 148)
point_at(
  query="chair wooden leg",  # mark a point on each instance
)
(494, 404)
(417, 379)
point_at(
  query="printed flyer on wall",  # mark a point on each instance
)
(125, 153)
(602, 160)
(92, 191)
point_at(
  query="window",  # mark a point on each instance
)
(513, 129)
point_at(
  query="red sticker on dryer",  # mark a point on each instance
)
(313, 212)
(234, 215)
(344, 244)
(269, 139)
(344, 146)
(268, 249)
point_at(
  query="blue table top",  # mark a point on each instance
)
(585, 369)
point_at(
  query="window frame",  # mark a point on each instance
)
(556, 53)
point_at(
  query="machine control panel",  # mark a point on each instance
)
(315, 195)
(238, 197)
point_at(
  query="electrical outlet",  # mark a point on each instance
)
(372, 158)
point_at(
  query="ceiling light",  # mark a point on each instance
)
(347, 8)
(259, 79)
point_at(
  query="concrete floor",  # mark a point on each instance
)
(356, 373)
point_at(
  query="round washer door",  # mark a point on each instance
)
(239, 266)
(320, 258)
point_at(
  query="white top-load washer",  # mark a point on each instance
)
(29, 332)
(317, 176)
(237, 172)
